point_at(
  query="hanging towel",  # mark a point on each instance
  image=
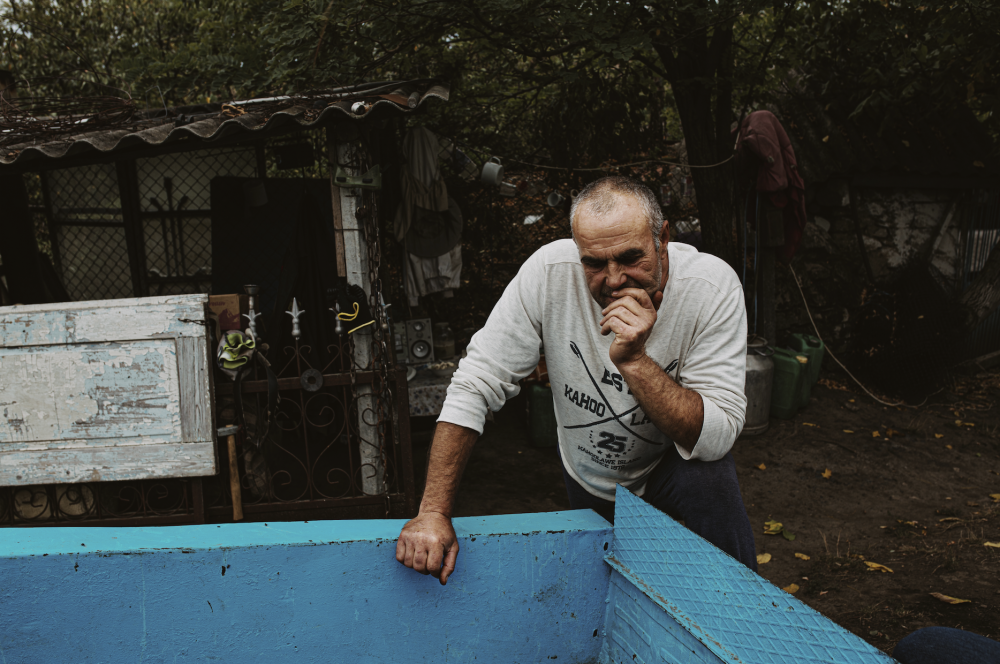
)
(432, 275)
(421, 182)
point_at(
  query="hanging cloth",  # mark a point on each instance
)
(421, 182)
(765, 142)
(432, 275)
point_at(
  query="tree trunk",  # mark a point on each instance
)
(984, 295)
(699, 75)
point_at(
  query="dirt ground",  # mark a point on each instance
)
(907, 488)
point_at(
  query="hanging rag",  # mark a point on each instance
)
(421, 183)
(432, 275)
(765, 144)
(434, 234)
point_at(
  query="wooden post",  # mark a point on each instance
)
(234, 471)
(350, 239)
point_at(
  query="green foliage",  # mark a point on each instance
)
(886, 58)
(568, 82)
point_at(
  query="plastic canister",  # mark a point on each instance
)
(759, 381)
(444, 342)
(787, 394)
(542, 428)
(813, 348)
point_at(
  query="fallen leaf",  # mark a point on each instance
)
(762, 467)
(968, 424)
(939, 435)
(851, 400)
(949, 518)
(809, 424)
(763, 558)
(848, 431)
(994, 545)
(794, 588)
(801, 556)
(907, 144)
(827, 473)
(823, 592)
(889, 433)
(876, 434)
(948, 447)
(826, 138)
(787, 535)
(772, 527)
(995, 497)
(908, 523)
(875, 566)
(949, 600)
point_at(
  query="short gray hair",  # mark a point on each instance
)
(602, 196)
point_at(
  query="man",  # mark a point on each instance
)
(645, 345)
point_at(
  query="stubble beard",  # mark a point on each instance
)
(605, 298)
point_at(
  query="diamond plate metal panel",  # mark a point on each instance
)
(736, 614)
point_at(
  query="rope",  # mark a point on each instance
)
(350, 316)
(809, 313)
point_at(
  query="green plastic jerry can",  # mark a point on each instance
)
(813, 348)
(789, 390)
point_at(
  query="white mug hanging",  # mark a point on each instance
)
(492, 174)
(555, 198)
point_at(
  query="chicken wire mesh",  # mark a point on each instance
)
(88, 229)
(175, 212)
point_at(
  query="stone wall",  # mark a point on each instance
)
(903, 230)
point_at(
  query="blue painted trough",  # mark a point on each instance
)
(559, 587)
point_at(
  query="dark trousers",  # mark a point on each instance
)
(945, 645)
(703, 494)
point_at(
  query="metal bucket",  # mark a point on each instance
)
(760, 376)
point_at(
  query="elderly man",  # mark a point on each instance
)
(645, 344)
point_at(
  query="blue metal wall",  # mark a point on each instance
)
(528, 588)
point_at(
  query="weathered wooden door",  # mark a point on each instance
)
(105, 390)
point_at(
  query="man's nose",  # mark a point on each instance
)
(616, 277)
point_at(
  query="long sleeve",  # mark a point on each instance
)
(716, 369)
(502, 353)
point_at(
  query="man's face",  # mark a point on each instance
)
(617, 251)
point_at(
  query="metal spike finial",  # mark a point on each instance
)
(338, 327)
(295, 313)
(252, 290)
(252, 317)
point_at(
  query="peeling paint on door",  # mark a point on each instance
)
(96, 393)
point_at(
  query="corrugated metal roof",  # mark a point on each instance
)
(947, 143)
(259, 116)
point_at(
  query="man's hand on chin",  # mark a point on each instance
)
(428, 544)
(631, 318)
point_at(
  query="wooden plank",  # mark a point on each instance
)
(108, 390)
(108, 320)
(21, 468)
(193, 382)
(338, 228)
(89, 391)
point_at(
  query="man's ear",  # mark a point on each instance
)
(665, 233)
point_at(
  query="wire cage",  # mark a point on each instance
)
(142, 226)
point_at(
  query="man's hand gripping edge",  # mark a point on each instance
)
(428, 544)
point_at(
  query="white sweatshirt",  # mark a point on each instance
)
(699, 339)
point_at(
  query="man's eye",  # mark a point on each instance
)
(592, 264)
